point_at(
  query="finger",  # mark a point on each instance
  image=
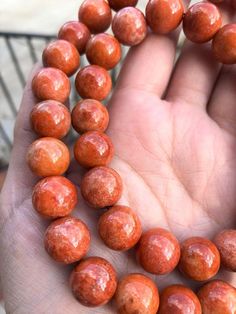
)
(148, 66)
(222, 105)
(194, 76)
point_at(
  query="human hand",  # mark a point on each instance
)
(175, 142)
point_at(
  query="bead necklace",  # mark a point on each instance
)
(67, 239)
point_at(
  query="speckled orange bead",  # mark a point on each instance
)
(180, 300)
(96, 14)
(200, 259)
(89, 115)
(50, 118)
(129, 26)
(93, 281)
(201, 22)
(62, 55)
(48, 156)
(76, 33)
(54, 197)
(158, 251)
(117, 5)
(225, 241)
(51, 84)
(93, 82)
(104, 50)
(217, 297)
(224, 44)
(120, 228)
(101, 187)
(93, 149)
(67, 240)
(164, 16)
(136, 294)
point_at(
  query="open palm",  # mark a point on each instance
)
(175, 141)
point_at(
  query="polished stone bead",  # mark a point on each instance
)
(50, 118)
(89, 115)
(158, 251)
(48, 156)
(76, 33)
(129, 26)
(136, 293)
(54, 197)
(200, 259)
(51, 84)
(101, 187)
(120, 228)
(67, 240)
(93, 281)
(117, 5)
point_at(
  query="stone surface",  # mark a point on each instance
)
(117, 5)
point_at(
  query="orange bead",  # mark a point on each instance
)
(200, 259)
(93, 82)
(104, 50)
(136, 294)
(93, 281)
(180, 300)
(217, 297)
(62, 55)
(67, 240)
(51, 84)
(117, 5)
(158, 251)
(93, 149)
(89, 115)
(120, 228)
(54, 197)
(225, 241)
(76, 33)
(96, 14)
(129, 26)
(164, 16)
(224, 44)
(101, 187)
(50, 118)
(201, 22)
(48, 156)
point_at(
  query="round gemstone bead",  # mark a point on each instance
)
(93, 82)
(179, 299)
(217, 297)
(201, 22)
(76, 33)
(158, 251)
(200, 259)
(51, 84)
(67, 240)
(96, 14)
(120, 228)
(62, 55)
(129, 26)
(93, 281)
(164, 16)
(50, 118)
(89, 115)
(224, 44)
(48, 156)
(93, 149)
(54, 197)
(101, 187)
(104, 50)
(225, 241)
(136, 293)
(117, 5)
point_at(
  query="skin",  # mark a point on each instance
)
(183, 179)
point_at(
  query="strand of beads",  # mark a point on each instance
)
(67, 239)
